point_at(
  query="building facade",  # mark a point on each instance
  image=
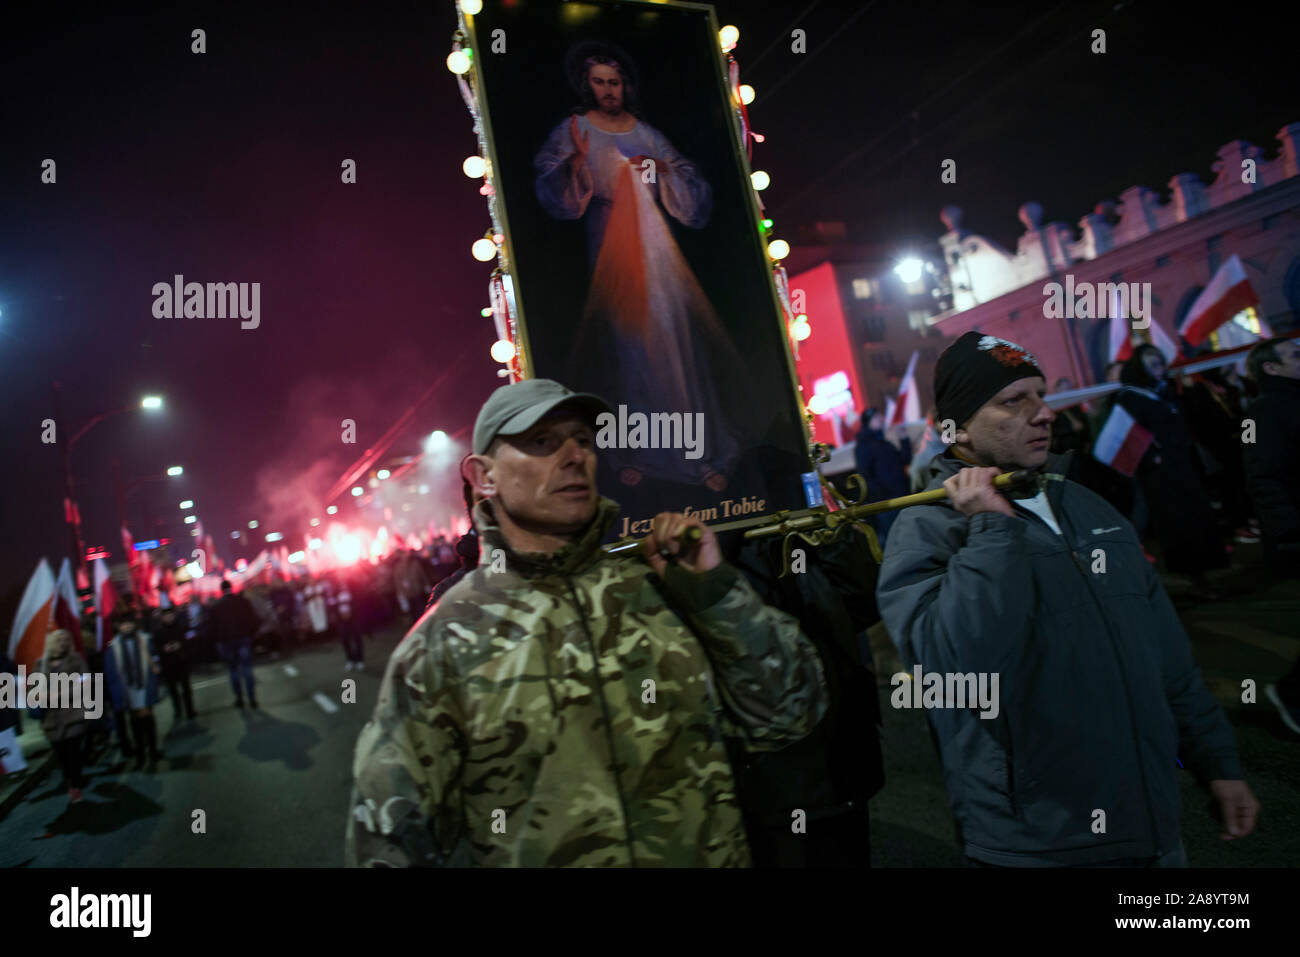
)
(1252, 209)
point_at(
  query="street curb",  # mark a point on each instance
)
(33, 778)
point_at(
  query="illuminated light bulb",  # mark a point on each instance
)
(778, 249)
(729, 36)
(760, 179)
(332, 510)
(315, 522)
(458, 62)
(498, 238)
(909, 269)
(383, 473)
(483, 250)
(767, 224)
(817, 405)
(486, 312)
(471, 7)
(357, 491)
(801, 318)
(746, 94)
(503, 350)
(474, 166)
(801, 331)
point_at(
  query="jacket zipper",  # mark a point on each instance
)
(1128, 694)
(609, 728)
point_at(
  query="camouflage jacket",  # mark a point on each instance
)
(500, 739)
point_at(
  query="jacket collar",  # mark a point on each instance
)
(1055, 469)
(570, 559)
(1277, 383)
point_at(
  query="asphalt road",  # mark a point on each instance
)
(273, 784)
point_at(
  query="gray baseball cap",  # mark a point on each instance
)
(516, 408)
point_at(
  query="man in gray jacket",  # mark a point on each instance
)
(1049, 601)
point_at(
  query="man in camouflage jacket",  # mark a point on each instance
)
(564, 706)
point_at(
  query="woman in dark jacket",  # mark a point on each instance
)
(64, 727)
(1179, 504)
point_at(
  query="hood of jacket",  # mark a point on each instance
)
(570, 559)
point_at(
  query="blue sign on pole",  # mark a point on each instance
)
(145, 546)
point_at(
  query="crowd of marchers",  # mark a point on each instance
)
(149, 650)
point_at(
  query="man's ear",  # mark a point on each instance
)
(477, 470)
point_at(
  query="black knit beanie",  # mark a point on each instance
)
(973, 370)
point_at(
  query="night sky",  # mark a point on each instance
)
(226, 167)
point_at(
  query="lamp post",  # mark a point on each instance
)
(71, 512)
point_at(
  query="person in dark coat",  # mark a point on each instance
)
(234, 623)
(1272, 464)
(467, 547)
(131, 674)
(1214, 417)
(1088, 698)
(883, 465)
(1171, 484)
(832, 773)
(174, 659)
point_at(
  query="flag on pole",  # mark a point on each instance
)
(105, 602)
(908, 407)
(67, 609)
(1160, 339)
(32, 622)
(1122, 442)
(1121, 328)
(1228, 293)
(890, 407)
(128, 547)
(1121, 332)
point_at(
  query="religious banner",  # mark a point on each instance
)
(635, 250)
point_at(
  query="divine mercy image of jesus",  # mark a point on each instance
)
(648, 333)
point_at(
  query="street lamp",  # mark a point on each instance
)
(188, 503)
(176, 470)
(909, 269)
(71, 512)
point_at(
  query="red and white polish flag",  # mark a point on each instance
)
(105, 602)
(1228, 293)
(908, 407)
(67, 609)
(1121, 334)
(32, 621)
(1122, 442)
